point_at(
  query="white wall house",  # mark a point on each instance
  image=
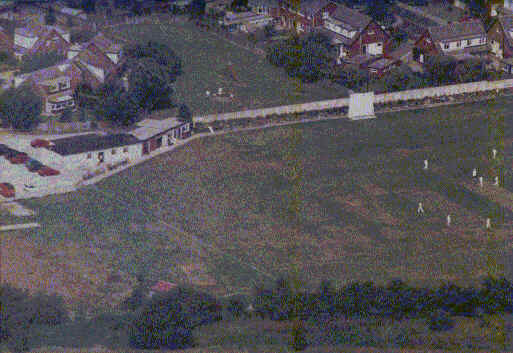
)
(448, 46)
(93, 151)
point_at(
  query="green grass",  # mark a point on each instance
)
(229, 199)
(205, 58)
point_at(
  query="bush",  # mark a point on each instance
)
(440, 321)
(168, 320)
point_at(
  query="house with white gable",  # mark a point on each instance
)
(33, 39)
(500, 38)
(458, 39)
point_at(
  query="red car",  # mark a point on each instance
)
(37, 143)
(47, 171)
(18, 158)
(7, 190)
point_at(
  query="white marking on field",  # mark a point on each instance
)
(211, 129)
(18, 226)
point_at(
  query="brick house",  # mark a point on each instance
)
(40, 39)
(98, 59)
(456, 39)
(500, 38)
(306, 16)
(355, 34)
(54, 85)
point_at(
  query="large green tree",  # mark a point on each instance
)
(21, 107)
(116, 106)
(168, 320)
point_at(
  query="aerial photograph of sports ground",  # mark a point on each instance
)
(256, 176)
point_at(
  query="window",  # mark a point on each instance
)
(89, 156)
(446, 46)
(125, 149)
(113, 151)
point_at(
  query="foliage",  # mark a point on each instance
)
(162, 54)
(88, 6)
(149, 84)
(50, 16)
(116, 105)
(439, 69)
(399, 79)
(197, 8)
(298, 341)
(168, 320)
(184, 113)
(7, 58)
(239, 4)
(21, 107)
(66, 115)
(440, 321)
(39, 61)
(20, 311)
(305, 58)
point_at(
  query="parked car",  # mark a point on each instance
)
(33, 165)
(47, 171)
(18, 158)
(7, 190)
(37, 143)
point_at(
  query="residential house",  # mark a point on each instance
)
(265, 7)
(54, 85)
(355, 34)
(245, 21)
(40, 39)
(306, 15)
(98, 59)
(402, 53)
(458, 39)
(500, 38)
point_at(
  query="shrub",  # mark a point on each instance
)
(440, 321)
(167, 320)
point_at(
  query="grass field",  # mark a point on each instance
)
(206, 57)
(217, 212)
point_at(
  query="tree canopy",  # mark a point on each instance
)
(116, 105)
(21, 107)
(167, 320)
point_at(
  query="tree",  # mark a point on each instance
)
(440, 69)
(136, 8)
(88, 6)
(149, 84)
(116, 105)
(168, 320)
(184, 113)
(21, 107)
(50, 16)
(239, 4)
(197, 8)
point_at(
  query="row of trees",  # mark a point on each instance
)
(20, 108)
(396, 300)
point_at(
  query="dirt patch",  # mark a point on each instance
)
(73, 271)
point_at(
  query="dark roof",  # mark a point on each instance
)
(91, 142)
(351, 18)
(457, 30)
(335, 37)
(311, 7)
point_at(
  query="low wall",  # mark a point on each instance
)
(379, 98)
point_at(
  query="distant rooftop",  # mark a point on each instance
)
(151, 127)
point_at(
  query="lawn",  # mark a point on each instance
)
(210, 62)
(334, 199)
